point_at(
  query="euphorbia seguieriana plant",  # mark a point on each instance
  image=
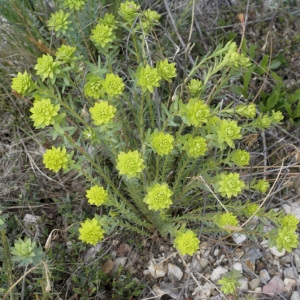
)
(160, 147)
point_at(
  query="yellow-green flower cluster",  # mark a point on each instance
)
(56, 159)
(148, 78)
(150, 19)
(161, 143)
(59, 22)
(102, 35)
(108, 20)
(263, 121)
(102, 112)
(130, 164)
(22, 84)
(96, 195)
(65, 53)
(230, 282)
(289, 221)
(129, 11)
(251, 209)
(93, 87)
(43, 112)
(194, 147)
(227, 221)
(112, 85)
(158, 196)
(195, 112)
(247, 111)
(74, 4)
(240, 157)
(46, 67)
(194, 87)
(233, 58)
(166, 70)
(277, 116)
(91, 231)
(262, 185)
(228, 131)
(187, 243)
(230, 184)
(286, 239)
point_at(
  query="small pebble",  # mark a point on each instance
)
(238, 266)
(290, 272)
(289, 284)
(239, 238)
(264, 276)
(295, 296)
(254, 283)
(243, 284)
(174, 272)
(277, 253)
(217, 273)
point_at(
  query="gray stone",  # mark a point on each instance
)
(295, 296)
(277, 253)
(217, 273)
(253, 254)
(243, 284)
(297, 259)
(290, 272)
(174, 272)
(170, 289)
(285, 260)
(238, 266)
(239, 238)
(264, 276)
(254, 283)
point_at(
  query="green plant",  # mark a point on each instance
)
(230, 282)
(148, 141)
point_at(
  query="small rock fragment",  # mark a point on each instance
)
(243, 284)
(253, 254)
(174, 272)
(295, 296)
(238, 238)
(217, 273)
(264, 276)
(157, 269)
(277, 253)
(290, 272)
(254, 283)
(289, 284)
(169, 289)
(205, 248)
(238, 266)
(274, 286)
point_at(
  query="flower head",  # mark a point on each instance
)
(91, 231)
(23, 83)
(129, 11)
(65, 53)
(108, 20)
(251, 209)
(74, 4)
(195, 87)
(196, 112)
(289, 221)
(130, 163)
(247, 111)
(227, 221)
(161, 143)
(93, 87)
(240, 157)
(148, 78)
(150, 19)
(96, 195)
(286, 239)
(230, 184)
(187, 243)
(46, 67)
(158, 197)
(166, 70)
(262, 185)
(263, 122)
(102, 112)
(194, 147)
(230, 282)
(228, 131)
(277, 116)
(112, 85)
(102, 35)
(59, 22)
(43, 112)
(56, 159)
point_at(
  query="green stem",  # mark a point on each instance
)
(150, 104)
(157, 167)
